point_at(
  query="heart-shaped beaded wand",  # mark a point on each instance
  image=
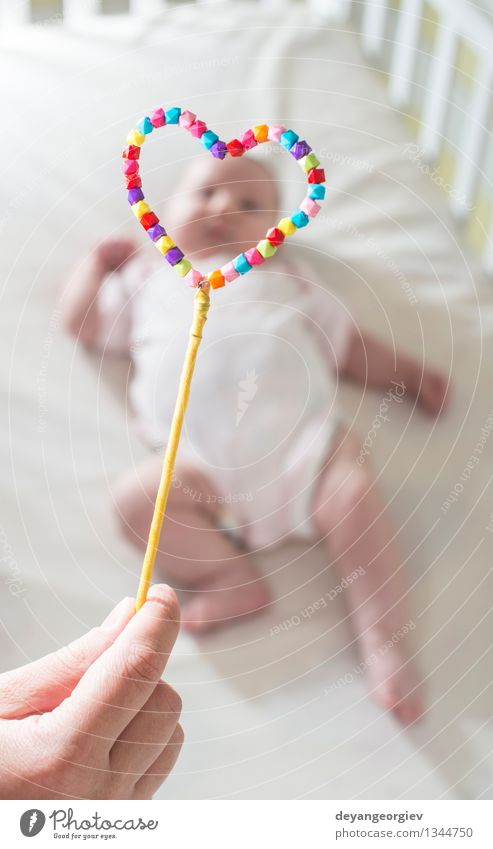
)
(257, 254)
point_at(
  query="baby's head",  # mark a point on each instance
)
(222, 206)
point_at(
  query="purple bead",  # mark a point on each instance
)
(219, 149)
(174, 255)
(156, 232)
(300, 149)
(134, 195)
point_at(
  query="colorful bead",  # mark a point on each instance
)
(158, 118)
(130, 166)
(248, 140)
(173, 115)
(193, 277)
(229, 272)
(197, 129)
(241, 264)
(260, 133)
(218, 149)
(136, 138)
(186, 119)
(145, 125)
(134, 195)
(286, 226)
(275, 236)
(275, 132)
(182, 267)
(156, 232)
(316, 175)
(131, 152)
(164, 244)
(266, 248)
(208, 138)
(216, 279)
(317, 192)
(254, 257)
(235, 147)
(288, 138)
(133, 181)
(149, 219)
(300, 149)
(300, 218)
(310, 207)
(140, 208)
(308, 162)
(174, 255)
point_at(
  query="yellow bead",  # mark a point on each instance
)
(134, 137)
(260, 133)
(286, 226)
(164, 244)
(140, 208)
(308, 162)
(182, 267)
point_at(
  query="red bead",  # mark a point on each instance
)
(275, 236)
(131, 152)
(130, 166)
(133, 181)
(316, 175)
(148, 220)
(235, 147)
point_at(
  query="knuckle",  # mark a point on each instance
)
(171, 698)
(143, 663)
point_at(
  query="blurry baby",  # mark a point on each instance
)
(264, 453)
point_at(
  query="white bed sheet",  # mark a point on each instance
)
(257, 719)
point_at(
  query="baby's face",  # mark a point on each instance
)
(222, 207)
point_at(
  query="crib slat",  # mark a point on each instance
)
(474, 131)
(403, 53)
(437, 91)
(373, 24)
(75, 11)
(146, 7)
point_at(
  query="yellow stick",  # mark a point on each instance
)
(201, 308)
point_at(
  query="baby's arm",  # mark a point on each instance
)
(371, 362)
(79, 303)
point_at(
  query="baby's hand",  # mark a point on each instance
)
(113, 253)
(94, 720)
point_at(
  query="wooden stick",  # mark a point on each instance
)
(201, 308)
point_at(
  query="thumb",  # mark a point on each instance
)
(40, 686)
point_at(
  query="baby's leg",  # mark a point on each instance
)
(351, 517)
(219, 580)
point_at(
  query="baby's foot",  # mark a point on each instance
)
(391, 677)
(235, 591)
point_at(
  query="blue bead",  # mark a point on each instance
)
(299, 218)
(288, 139)
(145, 126)
(317, 192)
(208, 139)
(172, 115)
(241, 264)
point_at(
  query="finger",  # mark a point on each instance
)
(119, 683)
(40, 686)
(161, 768)
(143, 739)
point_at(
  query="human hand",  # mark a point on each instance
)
(93, 720)
(113, 253)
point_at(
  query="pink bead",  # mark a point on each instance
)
(275, 132)
(186, 119)
(193, 277)
(248, 140)
(310, 207)
(157, 118)
(229, 272)
(130, 166)
(198, 129)
(254, 257)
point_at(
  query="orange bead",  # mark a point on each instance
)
(260, 133)
(216, 279)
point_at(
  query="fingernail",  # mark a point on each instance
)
(120, 615)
